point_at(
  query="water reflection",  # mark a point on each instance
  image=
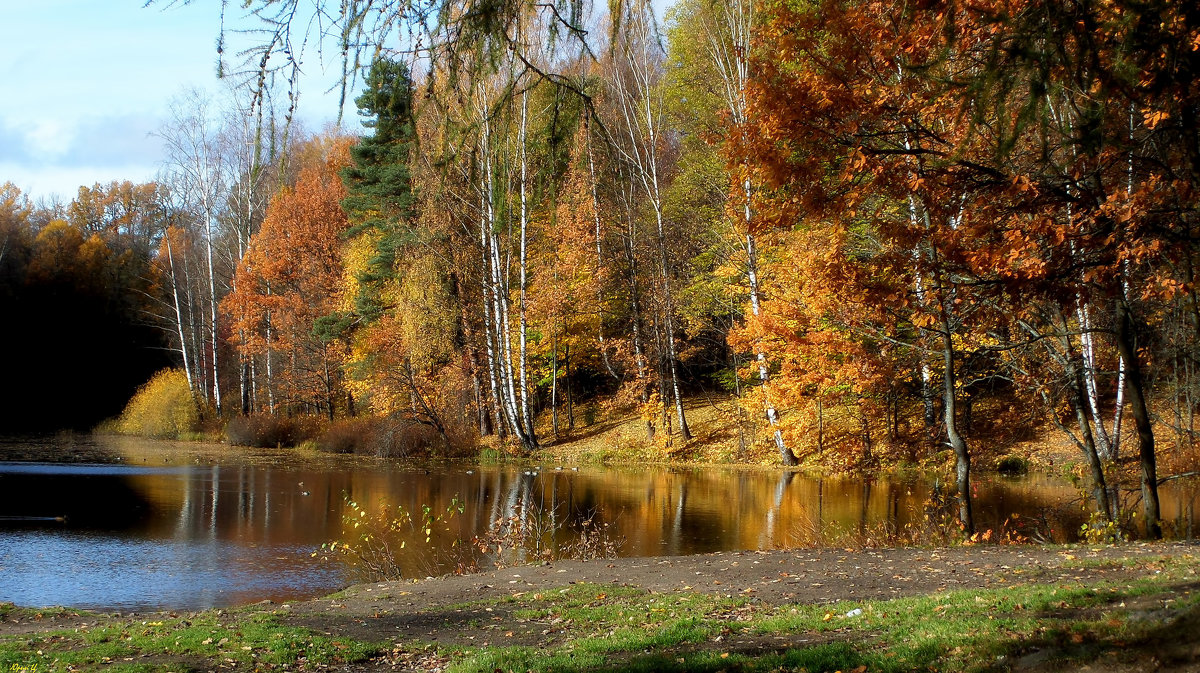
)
(164, 526)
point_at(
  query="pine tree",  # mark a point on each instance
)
(379, 182)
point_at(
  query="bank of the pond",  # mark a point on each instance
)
(617, 437)
(1132, 607)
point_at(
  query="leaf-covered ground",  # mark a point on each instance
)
(986, 608)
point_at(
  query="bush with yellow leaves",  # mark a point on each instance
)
(163, 408)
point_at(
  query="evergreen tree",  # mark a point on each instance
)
(380, 197)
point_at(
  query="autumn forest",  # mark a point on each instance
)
(879, 233)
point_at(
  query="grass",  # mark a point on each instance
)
(618, 437)
(590, 627)
(978, 630)
(249, 638)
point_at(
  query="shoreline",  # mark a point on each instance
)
(521, 609)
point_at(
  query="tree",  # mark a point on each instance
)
(708, 77)
(399, 313)
(848, 145)
(292, 272)
(1087, 201)
(77, 301)
(637, 95)
(197, 176)
(378, 182)
(14, 218)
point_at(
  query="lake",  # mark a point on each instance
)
(130, 524)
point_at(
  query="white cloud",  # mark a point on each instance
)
(111, 141)
(120, 139)
(48, 138)
(12, 143)
(86, 84)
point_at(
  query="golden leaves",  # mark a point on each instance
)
(1152, 118)
(291, 275)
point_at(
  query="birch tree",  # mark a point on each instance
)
(197, 172)
(711, 39)
(644, 138)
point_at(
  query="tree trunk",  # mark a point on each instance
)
(785, 452)
(489, 337)
(245, 384)
(183, 349)
(820, 427)
(268, 329)
(212, 296)
(865, 427)
(1087, 343)
(672, 358)
(1088, 444)
(962, 454)
(1074, 365)
(602, 347)
(501, 359)
(554, 384)
(526, 416)
(635, 308)
(1141, 419)
(570, 397)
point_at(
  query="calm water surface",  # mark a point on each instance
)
(132, 524)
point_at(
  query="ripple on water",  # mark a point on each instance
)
(103, 572)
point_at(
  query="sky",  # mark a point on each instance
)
(86, 83)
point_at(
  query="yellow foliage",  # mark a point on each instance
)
(162, 408)
(411, 349)
(356, 256)
(426, 312)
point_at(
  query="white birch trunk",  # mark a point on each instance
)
(1091, 390)
(728, 39)
(488, 329)
(603, 348)
(270, 373)
(635, 302)
(525, 412)
(198, 167)
(212, 297)
(641, 106)
(199, 358)
(183, 349)
(500, 321)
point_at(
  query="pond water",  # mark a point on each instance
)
(128, 524)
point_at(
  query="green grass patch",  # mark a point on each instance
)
(1128, 616)
(203, 641)
(618, 628)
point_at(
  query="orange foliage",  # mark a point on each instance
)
(291, 276)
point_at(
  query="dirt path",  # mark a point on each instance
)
(425, 610)
(421, 624)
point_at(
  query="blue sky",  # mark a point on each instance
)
(87, 82)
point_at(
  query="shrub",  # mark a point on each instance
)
(163, 408)
(382, 437)
(400, 439)
(266, 431)
(348, 435)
